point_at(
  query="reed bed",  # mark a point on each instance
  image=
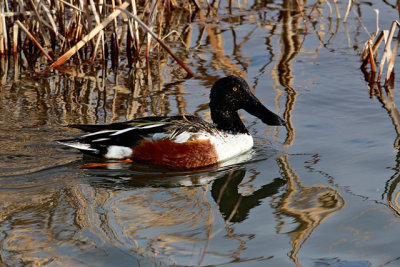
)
(87, 31)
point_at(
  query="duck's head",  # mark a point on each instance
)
(232, 93)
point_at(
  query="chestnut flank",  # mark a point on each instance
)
(188, 155)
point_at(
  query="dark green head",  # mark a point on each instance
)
(232, 93)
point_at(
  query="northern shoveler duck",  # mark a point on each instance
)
(185, 141)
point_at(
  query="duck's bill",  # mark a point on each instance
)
(256, 108)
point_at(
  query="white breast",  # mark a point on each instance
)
(231, 145)
(227, 145)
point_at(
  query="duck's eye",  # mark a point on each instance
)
(234, 88)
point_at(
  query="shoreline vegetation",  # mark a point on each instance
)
(86, 32)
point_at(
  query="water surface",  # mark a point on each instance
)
(321, 191)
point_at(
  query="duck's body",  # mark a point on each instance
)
(183, 142)
(178, 142)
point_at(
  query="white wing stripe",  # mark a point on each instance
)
(151, 126)
(123, 131)
(99, 132)
(80, 146)
(100, 140)
(137, 128)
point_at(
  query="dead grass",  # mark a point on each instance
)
(86, 31)
(388, 57)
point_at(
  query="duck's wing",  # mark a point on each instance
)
(139, 123)
(130, 133)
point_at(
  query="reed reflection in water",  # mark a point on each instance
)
(385, 96)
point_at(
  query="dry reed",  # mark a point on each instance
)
(85, 31)
(389, 54)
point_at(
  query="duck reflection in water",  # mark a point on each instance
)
(144, 175)
(235, 206)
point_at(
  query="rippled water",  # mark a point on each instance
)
(321, 191)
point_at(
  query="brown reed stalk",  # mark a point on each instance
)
(89, 36)
(114, 50)
(114, 42)
(94, 52)
(20, 25)
(371, 59)
(101, 35)
(41, 29)
(3, 34)
(70, 5)
(150, 23)
(53, 27)
(135, 28)
(388, 55)
(376, 45)
(393, 57)
(388, 51)
(22, 9)
(15, 38)
(129, 48)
